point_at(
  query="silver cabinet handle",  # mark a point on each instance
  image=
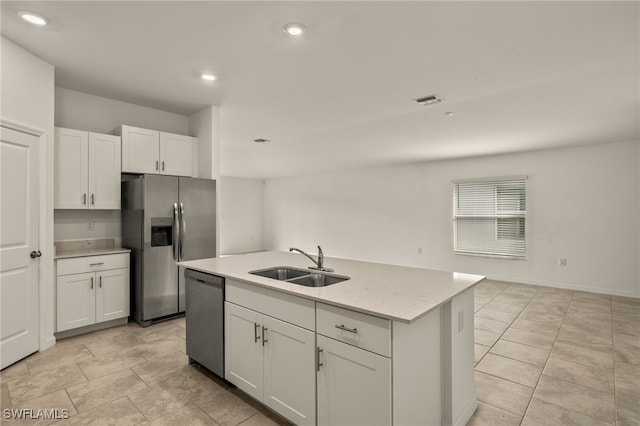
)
(183, 229)
(84, 199)
(100, 281)
(264, 329)
(91, 283)
(93, 199)
(96, 264)
(350, 330)
(163, 165)
(318, 363)
(256, 326)
(176, 232)
(156, 164)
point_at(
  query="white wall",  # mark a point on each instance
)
(27, 90)
(582, 205)
(77, 110)
(73, 225)
(241, 215)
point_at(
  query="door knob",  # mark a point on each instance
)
(35, 254)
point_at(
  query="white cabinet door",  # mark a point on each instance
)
(140, 150)
(176, 154)
(354, 385)
(243, 349)
(76, 306)
(104, 171)
(112, 297)
(289, 370)
(71, 169)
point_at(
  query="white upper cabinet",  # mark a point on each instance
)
(87, 170)
(150, 151)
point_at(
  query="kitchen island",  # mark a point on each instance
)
(390, 345)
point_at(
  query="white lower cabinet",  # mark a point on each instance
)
(354, 385)
(271, 360)
(84, 298)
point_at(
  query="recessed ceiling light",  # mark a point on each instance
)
(208, 76)
(429, 100)
(261, 140)
(449, 114)
(294, 29)
(33, 18)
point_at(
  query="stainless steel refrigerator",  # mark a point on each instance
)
(165, 219)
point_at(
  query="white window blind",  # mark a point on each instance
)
(489, 217)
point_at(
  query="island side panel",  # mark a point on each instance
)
(459, 400)
(417, 371)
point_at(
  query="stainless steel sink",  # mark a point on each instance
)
(300, 276)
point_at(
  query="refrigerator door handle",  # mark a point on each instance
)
(176, 232)
(183, 228)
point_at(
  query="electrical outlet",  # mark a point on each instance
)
(562, 261)
(91, 226)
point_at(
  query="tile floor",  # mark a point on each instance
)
(543, 357)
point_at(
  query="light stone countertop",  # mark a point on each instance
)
(90, 252)
(80, 248)
(394, 292)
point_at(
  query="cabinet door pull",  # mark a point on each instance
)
(96, 264)
(91, 283)
(35, 254)
(84, 199)
(100, 281)
(264, 329)
(256, 326)
(163, 165)
(156, 164)
(350, 330)
(93, 199)
(318, 363)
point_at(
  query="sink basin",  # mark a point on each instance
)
(303, 277)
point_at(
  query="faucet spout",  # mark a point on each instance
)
(319, 263)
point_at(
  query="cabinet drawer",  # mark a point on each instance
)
(357, 329)
(78, 265)
(292, 309)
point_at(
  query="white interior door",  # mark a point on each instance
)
(18, 239)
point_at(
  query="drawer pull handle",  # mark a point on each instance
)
(256, 326)
(91, 283)
(264, 329)
(100, 281)
(350, 330)
(96, 264)
(318, 363)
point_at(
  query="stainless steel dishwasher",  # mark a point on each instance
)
(205, 320)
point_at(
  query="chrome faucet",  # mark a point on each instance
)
(319, 263)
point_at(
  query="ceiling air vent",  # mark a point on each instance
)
(429, 100)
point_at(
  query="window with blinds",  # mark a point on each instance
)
(489, 217)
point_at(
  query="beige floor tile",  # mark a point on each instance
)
(577, 337)
(45, 382)
(530, 313)
(14, 371)
(479, 351)
(515, 300)
(627, 373)
(513, 308)
(111, 362)
(523, 289)
(627, 348)
(591, 377)
(486, 338)
(628, 403)
(190, 411)
(584, 356)
(574, 397)
(226, 408)
(101, 390)
(584, 296)
(167, 396)
(520, 352)
(527, 338)
(265, 419)
(490, 325)
(56, 404)
(539, 327)
(589, 326)
(162, 368)
(5, 399)
(542, 413)
(502, 394)
(631, 328)
(120, 412)
(498, 315)
(487, 415)
(555, 310)
(510, 369)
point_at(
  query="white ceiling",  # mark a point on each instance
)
(519, 76)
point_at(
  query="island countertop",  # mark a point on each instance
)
(398, 293)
